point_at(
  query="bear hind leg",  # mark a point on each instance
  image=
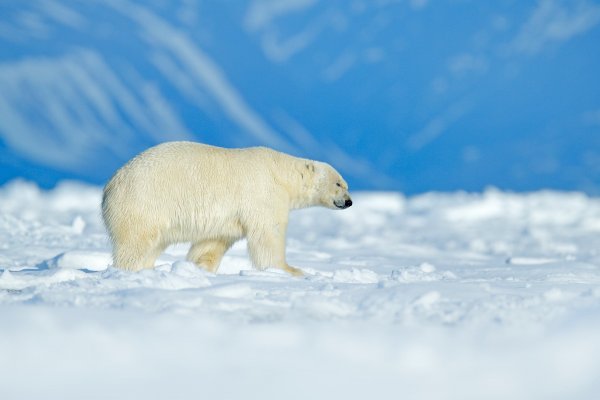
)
(207, 254)
(136, 254)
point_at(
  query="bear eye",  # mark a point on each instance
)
(338, 184)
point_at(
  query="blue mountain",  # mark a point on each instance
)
(406, 95)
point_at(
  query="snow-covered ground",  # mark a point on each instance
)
(439, 296)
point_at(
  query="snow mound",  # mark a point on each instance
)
(77, 259)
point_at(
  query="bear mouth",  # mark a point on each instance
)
(342, 204)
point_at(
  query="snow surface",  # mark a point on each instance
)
(441, 296)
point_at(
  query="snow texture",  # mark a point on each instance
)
(441, 296)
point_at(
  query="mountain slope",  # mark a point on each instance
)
(410, 95)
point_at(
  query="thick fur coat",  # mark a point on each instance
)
(210, 196)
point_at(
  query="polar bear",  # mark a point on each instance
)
(210, 196)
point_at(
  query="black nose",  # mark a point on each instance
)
(348, 203)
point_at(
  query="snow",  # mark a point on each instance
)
(489, 295)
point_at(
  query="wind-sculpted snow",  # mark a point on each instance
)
(450, 296)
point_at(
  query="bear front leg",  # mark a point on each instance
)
(267, 248)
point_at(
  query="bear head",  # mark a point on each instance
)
(332, 189)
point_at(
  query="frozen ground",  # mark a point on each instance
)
(440, 296)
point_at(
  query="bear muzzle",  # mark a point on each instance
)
(342, 204)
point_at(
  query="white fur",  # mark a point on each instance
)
(210, 196)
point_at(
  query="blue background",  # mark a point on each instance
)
(404, 95)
